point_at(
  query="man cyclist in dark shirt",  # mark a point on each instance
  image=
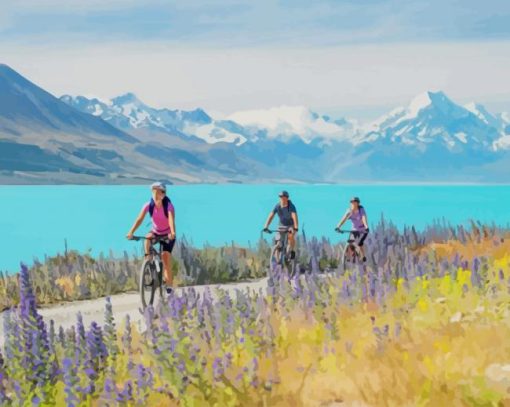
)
(288, 219)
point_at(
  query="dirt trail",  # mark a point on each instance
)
(93, 310)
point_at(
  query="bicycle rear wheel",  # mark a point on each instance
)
(291, 265)
(148, 284)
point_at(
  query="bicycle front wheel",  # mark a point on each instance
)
(348, 257)
(148, 284)
(275, 261)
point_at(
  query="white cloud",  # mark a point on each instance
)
(237, 79)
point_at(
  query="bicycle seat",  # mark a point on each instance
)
(284, 229)
(158, 239)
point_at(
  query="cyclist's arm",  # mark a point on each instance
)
(269, 219)
(365, 221)
(138, 221)
(171, 222)
(343, 220)
(295, 219)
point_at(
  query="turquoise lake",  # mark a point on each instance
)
(36, 220)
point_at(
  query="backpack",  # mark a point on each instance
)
(152, 205)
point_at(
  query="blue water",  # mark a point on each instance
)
(35, 220)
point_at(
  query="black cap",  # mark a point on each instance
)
(355, 199)
(283, 193)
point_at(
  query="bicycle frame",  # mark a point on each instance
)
(351, 252)
(281, 246)
(153, 241)
(155, 266)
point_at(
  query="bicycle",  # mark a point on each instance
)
(351, 254)
(151, 272)
(280, 258)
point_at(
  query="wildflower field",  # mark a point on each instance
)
(425, 323)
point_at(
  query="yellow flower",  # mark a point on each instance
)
(422, 305)
(66, 284)
(503, 262)
(464, 277)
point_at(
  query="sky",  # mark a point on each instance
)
(346, 58)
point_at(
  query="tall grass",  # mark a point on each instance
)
(416, 326)
(74, 276)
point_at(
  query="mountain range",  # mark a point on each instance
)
(45, 139)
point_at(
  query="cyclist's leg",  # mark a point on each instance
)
(291, 243)
(147, 244)
(361, 245)
(166, 257)
(167, 268)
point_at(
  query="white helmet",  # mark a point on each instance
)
(158, 185)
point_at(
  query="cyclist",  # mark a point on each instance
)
(288, 219)
(358, 216)
(162, 212)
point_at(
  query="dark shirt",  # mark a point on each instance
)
(284, 213)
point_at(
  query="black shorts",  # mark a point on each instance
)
(166, 246)
(359, 236)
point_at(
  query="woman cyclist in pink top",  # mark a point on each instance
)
(162, 213)
(357, 215)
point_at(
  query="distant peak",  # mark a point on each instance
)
(425, 99)
(126, 98)
(7, 70)
(476, 108)
(5, 67)
(419, 102)
(472, 106)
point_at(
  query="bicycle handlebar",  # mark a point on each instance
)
(284, 229)
(154, 238)
(350, 231)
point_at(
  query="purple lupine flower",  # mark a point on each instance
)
(143, 385)
(228, 359)
(70, 381)
(127, 340)
(94, 357)
(110, 334)
(372, 282)
(218, 370)
(363, 291)
(345, 289)
(109, 389)
(151, 328)
(81, 330)
(61, 336)
(34, 337)
(96, 348)
(126, 394)
(51, 336)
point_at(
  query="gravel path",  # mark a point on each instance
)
(122, 304)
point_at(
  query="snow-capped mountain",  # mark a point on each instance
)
(127, 112)
(286, 122)
(433, 119)
(432, 137)
(81, 139)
